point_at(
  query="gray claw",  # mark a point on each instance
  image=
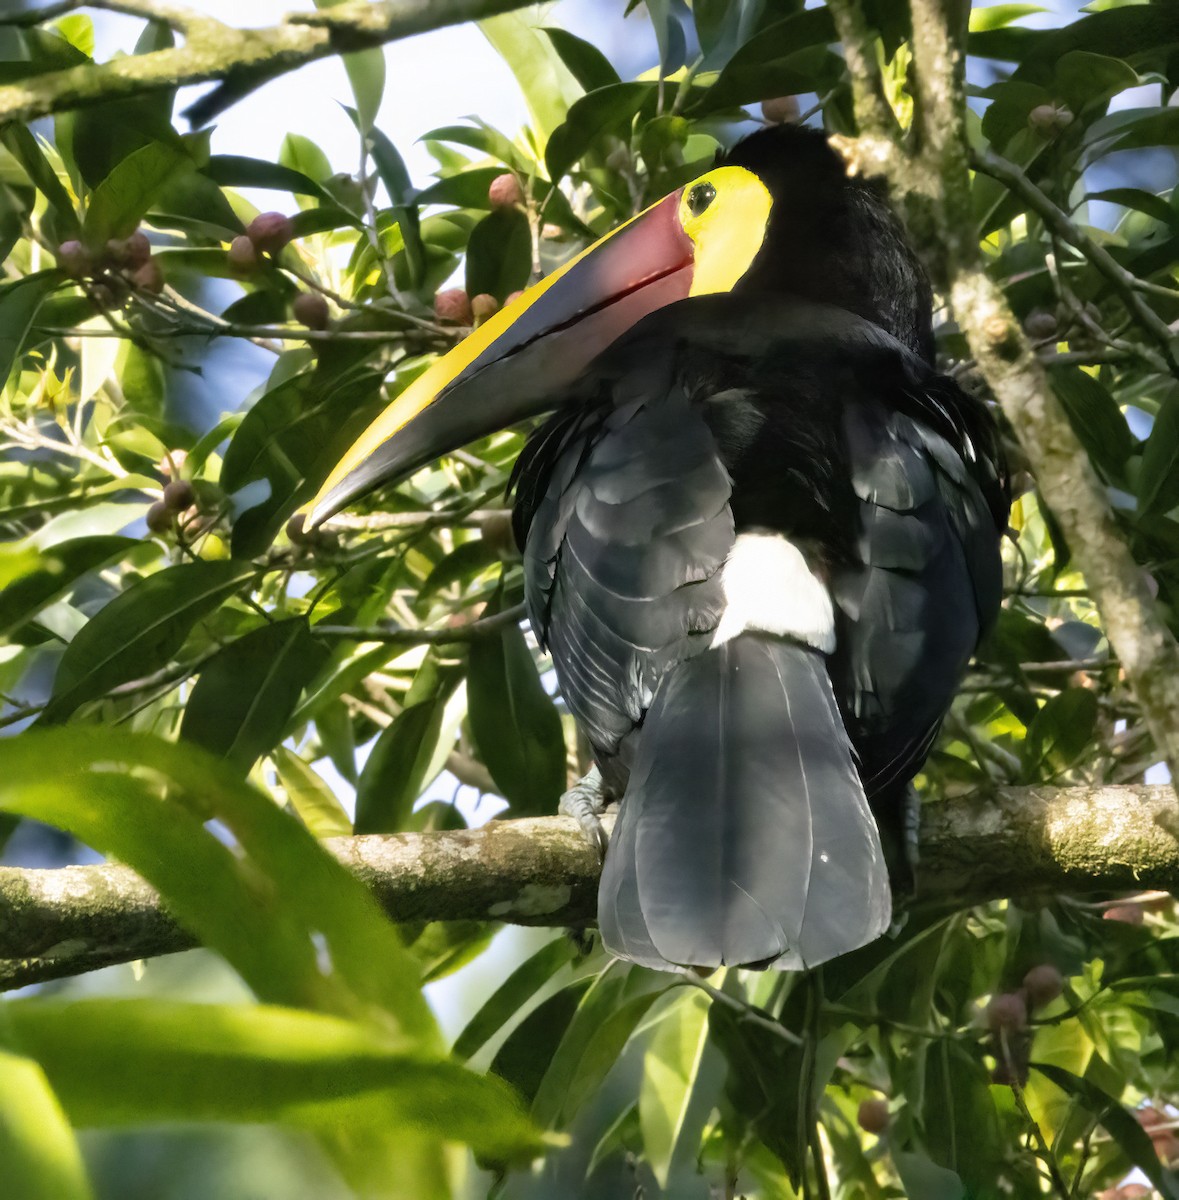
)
(585, 801)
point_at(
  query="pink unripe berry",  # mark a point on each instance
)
(311, 309)
(75, 259)
(242, 255)
(873, 1116)
(159, 517)
(453, 304)
(1043, 984)
(505, 191)
(149, 277)
(483, 306)
(270, 231)
(1007, 1012)
(781, 110)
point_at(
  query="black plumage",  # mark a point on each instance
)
(803, 403)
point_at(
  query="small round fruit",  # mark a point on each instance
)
(149, 277)
(242, 255)
(1127, 914)
(1043, 984)
(129, 252)
(1040, 324)
(1050, 119)
(296, 530)
(325, 541)
(1007, 1011)
(505, 191)
(311, 309)
(483, 306)
(75, 259)
(179, 495)
(781, 110)
(270, 231)
(873, 1116)
(453, 304)
(159, 517)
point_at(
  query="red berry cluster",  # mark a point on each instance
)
(269, 233)
(122, 262)
(1007, 1018)
(179, 507)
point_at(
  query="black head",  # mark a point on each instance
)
(832, 237)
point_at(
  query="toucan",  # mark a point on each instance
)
(761, 539)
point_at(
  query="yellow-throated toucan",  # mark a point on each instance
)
(760, 536)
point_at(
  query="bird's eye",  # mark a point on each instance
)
(700, 197)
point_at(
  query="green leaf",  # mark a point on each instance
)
(514, 722)
(303, 155)
(670, 1066)
(1122, 1127)
(391, 168)
(23, 146)
(234, 170)
(19, 303)
(783, 59)
(924, 1180)
(124, 196)
(466, 189)
(37, 1147)
(507, 1001)
(960, 1123)
(247, 692)
(297, 927)
(120, 1062)
(499, 254)
(1082, 77)
(311, 798)
(1158, 477)
(586, 63)
(608, 110)
(548, 85)
(1061, 731)
(605, 1018)
(291, 439)
(482, 137)
(999, 15)
(396, 771)
(1095, 416)
(52, 572)
(140, 630)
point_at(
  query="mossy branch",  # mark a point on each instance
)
(929, 171)
(213, 50)
(540, 871)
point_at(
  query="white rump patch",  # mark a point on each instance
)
(769, 588)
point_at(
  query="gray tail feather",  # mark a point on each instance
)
(745, 837)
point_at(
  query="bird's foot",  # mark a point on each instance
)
(585, 801)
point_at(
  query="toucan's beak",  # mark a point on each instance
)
(516, 363)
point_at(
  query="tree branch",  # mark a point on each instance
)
(216, 51)
(540, 871)
(939, 171)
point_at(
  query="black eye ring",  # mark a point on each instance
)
(700, 197)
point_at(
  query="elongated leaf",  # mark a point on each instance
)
(1158, 479)
(467, 189)
(235, 170)
(960, 1122)
(309, 796)
(1094, 415)
(499, 255)
(608, 110)
(246, 694)
(669, 1077)
(512, 995)
(514, 722)
(118, 1062)
(482, 137)
(395, 177)
(298, 928)
(37, 1147)
(124, 196)
(19, 302)
(587, 64)
(925, 1180)
(549, 87)
(605, 1018)
(1062, 730)
(289, 441)
(54, 571)
(23, 147)
(140, 630)
(395, 773)
(1122, 1127)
